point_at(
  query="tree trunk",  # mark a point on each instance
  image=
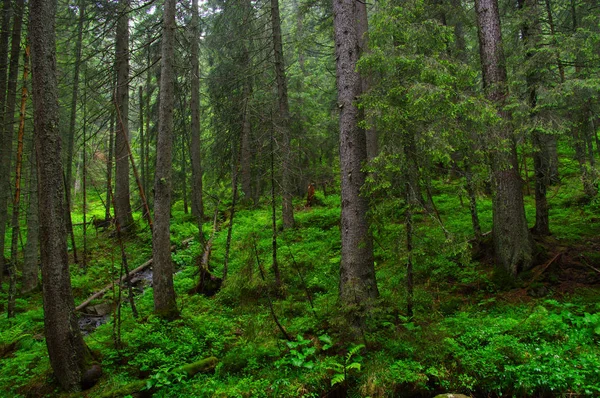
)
(142, 140)
(109, 167)
(122, 203)
(12, 291)
(31, 251)
(512, 241)
(6, 140)
(357, 271)
(66, 348)
(69, 156)
(283, 118)
(530, 32)
(195, 150)
(164, 293)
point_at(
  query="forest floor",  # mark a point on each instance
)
(475, 330)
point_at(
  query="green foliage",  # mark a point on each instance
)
(351, 363)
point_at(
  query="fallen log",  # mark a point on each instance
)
(191, 369)
(119, 281)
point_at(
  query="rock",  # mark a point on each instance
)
(100, 309)
(91, 377)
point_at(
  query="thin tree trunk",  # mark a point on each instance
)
(195, 150)
(109, 167)
(358, 286)
(275, 265)
(142, 141)
(409, 254)
(512, 241)
(6, 140)
(69, 156)
(12, 290)
(84, 179)
(122, 203)
(283, 118)
(164, 293)
(31, 268)
(66, 348)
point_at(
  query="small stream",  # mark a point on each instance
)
(96, 315)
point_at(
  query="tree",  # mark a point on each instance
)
(357, 271)
(121, 200)
(197, 203)
(66, 348)
(164, 293)
(512, 241)
(283, 117)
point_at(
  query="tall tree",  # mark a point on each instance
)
(357, 270)
(66, 348)
(164, 293)
(283, 119)
(121, 199)
(197, 202)
(512, 241)
(6, 140)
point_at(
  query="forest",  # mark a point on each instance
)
(299, 198)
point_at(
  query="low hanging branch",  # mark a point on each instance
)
(120, 280)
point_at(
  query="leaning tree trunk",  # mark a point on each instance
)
(357, 271)
(512, 241)
(283, 118)
(66, 348)
(121, 200)
(164, 293)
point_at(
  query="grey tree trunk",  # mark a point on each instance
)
(358, 285)
(283, 118)
(109, 167)
(164, 293)
(66, 348)
(6, 140)
(512, 241)
(31, 251)
(195, 150)
(122, 202)
(246, 145)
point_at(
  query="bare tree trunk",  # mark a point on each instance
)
(512, 241)
(164, 293)
(109, 167)
(74, 94)
(142, 141)
(12, 290)
(283, 118)
(195, 150)
(6, 140)
(275, 264)
(66, 348)
(122, 203)
(31, 251)
(358, 285)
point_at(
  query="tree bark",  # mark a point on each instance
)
(512, 241)
(66, 348)
(283, 119)
(164, 293)
(109, 167)
(122, 203)
(12, 291)
(195, 150)
(6, 140)
(357, 271)
(31, 251)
